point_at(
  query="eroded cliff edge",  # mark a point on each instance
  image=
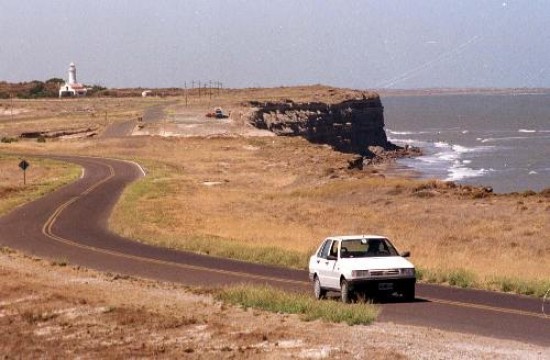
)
(354, 126)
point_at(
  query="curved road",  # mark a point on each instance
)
(71, 224)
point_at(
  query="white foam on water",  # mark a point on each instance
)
(449, 159)
(533, 172)
(508, 138)
(411, 142)
(527, 131)
(441, 144)
(457, 173)
(395, 132)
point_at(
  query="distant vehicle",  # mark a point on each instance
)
(218, 114)
(361, 264)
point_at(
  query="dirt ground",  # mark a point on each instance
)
(52, 309)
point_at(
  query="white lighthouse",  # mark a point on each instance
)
(72, 73)
(71, 87)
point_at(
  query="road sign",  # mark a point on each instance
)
(24, 165)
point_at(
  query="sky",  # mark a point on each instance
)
(362, 44)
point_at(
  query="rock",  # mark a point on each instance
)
(350, 126)
(376, 150)
(356, 162)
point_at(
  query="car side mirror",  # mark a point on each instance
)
(406, 254)
(332, 257)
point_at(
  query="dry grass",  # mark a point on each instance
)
(273, 200)
(283, 195)
(54, 115)
(42, 176)
(66, 312)
(309, 309)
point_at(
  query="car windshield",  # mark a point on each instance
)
(359, 248)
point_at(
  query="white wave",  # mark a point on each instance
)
(460, 173)
(512, 138)
(527, 131)
(395, 132)
(509, 138)
(448, 156)
(412, 142)
(465, 131)
(462, 149)
(441, 144)
(429, 159)
(533, 172)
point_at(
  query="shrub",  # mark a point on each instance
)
(7, 140)
(270, 299)
(545, 192)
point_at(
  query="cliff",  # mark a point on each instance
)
(351, 126)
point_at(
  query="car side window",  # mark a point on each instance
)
(323, 252)
(334, 249)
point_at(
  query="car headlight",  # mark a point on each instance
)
(408, 272)
(359, 273)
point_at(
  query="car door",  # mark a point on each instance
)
(319, 265)
(326, 262)
(332, 274)
(315, 263)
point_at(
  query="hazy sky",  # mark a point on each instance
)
(349, 43)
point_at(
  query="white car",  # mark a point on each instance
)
(365, 264)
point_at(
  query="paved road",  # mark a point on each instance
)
(152, 114)
(71, 224)
(119, 129)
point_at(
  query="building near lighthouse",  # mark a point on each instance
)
(71, 86)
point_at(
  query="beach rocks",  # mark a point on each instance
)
(352, 126)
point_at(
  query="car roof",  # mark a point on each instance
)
(352, 237)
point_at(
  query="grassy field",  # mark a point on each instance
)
(275, 203)
(272, 200)
(309, 309)
(42, 176)
(53, 115)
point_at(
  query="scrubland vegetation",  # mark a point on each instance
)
(273, 199)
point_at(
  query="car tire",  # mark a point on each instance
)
(346, 294)
(409, 294)
(318, 291)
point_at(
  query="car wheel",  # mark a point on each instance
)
(346, 294)
(409, 294)
(318, 291)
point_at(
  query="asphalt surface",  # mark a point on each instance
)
(71, 225)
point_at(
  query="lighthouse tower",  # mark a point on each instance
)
(72, 74)
(71, 87)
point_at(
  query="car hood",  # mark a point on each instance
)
(375, 263)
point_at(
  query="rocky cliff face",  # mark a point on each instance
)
(352, 126)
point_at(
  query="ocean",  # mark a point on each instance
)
(494, 140)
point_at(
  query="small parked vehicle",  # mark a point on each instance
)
(361, 264)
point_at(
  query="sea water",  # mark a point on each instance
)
(499, 141)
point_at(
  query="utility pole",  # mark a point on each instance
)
(185, 85)
(11, 104)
